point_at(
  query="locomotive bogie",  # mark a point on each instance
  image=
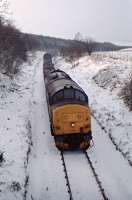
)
(71, 143)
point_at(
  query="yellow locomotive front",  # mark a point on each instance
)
(72, 126)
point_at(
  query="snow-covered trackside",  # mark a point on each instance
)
(46, 176)
(102, 76)
(15, 97)
(113, 170)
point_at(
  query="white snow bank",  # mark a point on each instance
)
(15, 131)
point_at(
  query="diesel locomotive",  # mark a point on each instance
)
(69, 113)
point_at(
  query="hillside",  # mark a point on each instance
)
(40, 42)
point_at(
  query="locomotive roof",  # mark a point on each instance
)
(60, 84)
(47, 56)
(54, 75)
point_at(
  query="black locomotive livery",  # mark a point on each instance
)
(69, 113)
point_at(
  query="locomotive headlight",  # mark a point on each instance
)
(72, 124)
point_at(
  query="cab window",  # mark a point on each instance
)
(68, 93)
(79, 96)
(58, 97)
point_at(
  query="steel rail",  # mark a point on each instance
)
(66, 176)
(101, 189)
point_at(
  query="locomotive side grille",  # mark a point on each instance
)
(72, 117)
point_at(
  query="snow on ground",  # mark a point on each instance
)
(102, 76)
(32, 167)
(46, 176)
(113, 170)
(15, 97)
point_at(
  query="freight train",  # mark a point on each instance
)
(69, 113)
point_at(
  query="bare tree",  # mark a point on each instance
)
(78, 36)
(12, 45)
(90, 45)
(73, 52)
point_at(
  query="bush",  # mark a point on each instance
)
(13, 49)
(126, 93)
(75, 49)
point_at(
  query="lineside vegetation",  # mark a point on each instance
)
(126, 93)
(13, 49)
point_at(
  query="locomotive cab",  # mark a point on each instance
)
(71, 116)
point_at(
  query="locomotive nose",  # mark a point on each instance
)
(71, 119)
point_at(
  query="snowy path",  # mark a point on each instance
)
(46, 176)
(113, 170)
(15, 95)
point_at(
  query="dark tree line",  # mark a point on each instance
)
(13, 50)
(79, 46)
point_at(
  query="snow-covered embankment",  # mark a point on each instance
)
(15, 97)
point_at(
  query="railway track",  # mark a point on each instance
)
(66, 176)
(96, 177)
(73, 190)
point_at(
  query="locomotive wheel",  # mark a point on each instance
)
(85, 145)
(62, 146)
